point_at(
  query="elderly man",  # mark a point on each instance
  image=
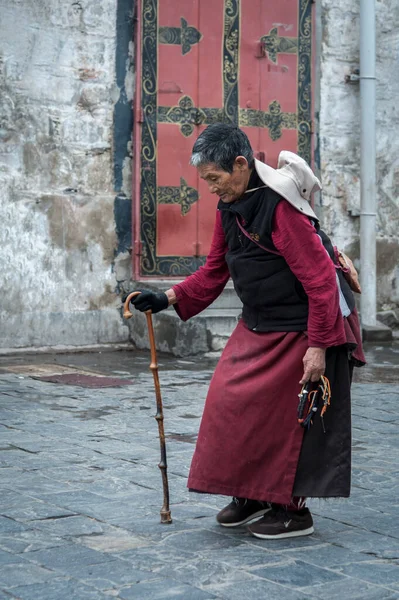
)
(298, 323)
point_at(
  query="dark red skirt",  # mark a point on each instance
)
(249, 442)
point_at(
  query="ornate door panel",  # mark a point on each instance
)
(202, 62)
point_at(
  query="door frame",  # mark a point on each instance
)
(177, 267)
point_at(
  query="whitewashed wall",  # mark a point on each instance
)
(340, 135)
(57, 228)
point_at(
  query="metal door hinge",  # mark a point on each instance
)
(138, 248)
(197, 249)
(262, 53)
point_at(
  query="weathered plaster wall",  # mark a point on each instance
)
(58, 234)
(66, 85)
(340, 135)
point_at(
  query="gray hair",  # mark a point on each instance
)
(220, 144)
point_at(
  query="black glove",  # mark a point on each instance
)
(146, 300)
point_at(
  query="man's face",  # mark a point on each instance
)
(228, 186)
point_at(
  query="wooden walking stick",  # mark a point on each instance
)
(165, 511)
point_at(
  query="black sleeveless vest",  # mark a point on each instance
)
(273, 298)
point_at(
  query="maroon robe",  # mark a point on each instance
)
(250, 443)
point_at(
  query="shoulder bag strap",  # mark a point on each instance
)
(257, 243)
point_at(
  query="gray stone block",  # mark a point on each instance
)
(163, 589)
(153, 558)
(377, 333)
(12, 575)
(352, 589)
(171, 334)
(366, 542)
(59, 589)
(9, 525)
(29, 541)
(202, 571)
(28, 509)
(8, 558)
(390, 318)
(113, 574)
(257, 589)
(200, 540)
(378, 572)
(297, 574)
(328, 555)
(206, 332)
(69, 526)
(66, 558)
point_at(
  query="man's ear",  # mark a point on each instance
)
(241, 162)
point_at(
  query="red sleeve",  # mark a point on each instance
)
(296, 239)
(201, 288)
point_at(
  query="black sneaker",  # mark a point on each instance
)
(280, 523)
(241, 511)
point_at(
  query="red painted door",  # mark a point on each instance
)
(202, 62)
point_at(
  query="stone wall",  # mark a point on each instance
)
(339, 128)
(58, 235)
(66, 86)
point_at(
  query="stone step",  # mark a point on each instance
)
(206, 333)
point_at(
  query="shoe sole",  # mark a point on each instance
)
(256, 515)
(280, 536)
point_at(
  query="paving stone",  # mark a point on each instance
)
(93, 455)
(67, 557)
(200, 540)
(119, 512)
(34, 484)
(123, 489)
(12, 575)
(256, 589)
(297, 574)
(29, 541)
(58, 589)
(384, 524)
(8, 558)
(366, 542)
(71, 479)
(81, 501)
(247, 557)
(6, 595)
(9, 525)
(324, 525)
(350, 588)
(10, 498)
(193, 511)
(284, 544)
(113, 540)
(163, 589)
(29, 509)
(150, 528)
(116, 574)
(155, 558)
(203, 572)
(378, 572)
(329, 556)
(69, 526)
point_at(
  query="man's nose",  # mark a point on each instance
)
(212, 188)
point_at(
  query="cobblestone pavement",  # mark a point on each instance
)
(81, 494)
